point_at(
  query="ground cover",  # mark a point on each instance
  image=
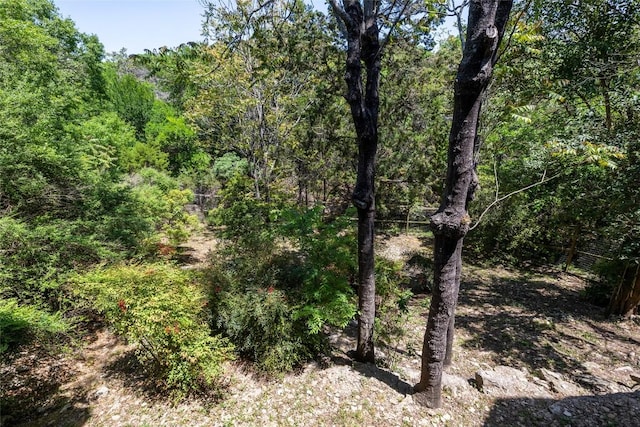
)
(528, 351)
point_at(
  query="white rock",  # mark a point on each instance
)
(102, 391)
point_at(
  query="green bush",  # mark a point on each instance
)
(162, 309)
(20, 322)
(247, 221)
(261, 324)
(274, 304)
(392, 303)
(162, 205)
(610, 273)
(522, 228)
(228, 166)
(36, 257)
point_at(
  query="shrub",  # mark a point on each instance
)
(162, 205)
(161, 308)
(228, 166)
(36, 257)
(273, 304)
(19, 322)
(247, 221)
(610, 273)
(261, 324)
(392, 303)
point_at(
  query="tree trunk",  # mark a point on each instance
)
(604, 85)
(627, 297)
(363, 46)
(487, 20)
(448, 356)
(366, 286)
(572, 248)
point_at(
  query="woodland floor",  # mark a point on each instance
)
(577, 367)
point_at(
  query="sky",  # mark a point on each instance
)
(136, 24)
(139, 24)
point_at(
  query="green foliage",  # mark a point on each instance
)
(131, 98)
(177, 139)
(415, 101)
(273, 304)
(144, 155)
(19, 322)
(522, 228)
(228, 166)
(328, 268)
(163, 310)
(35, 258)
(562, 109)
(392, 302)
(107, 142)
(161, 203)
(261, 324)
(247, 220)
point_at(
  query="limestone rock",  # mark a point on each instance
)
(558, 384)
(507, 381)
(454, 383)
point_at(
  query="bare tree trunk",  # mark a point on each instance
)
(487, 20)
(363, 45)
(448, 356)
(572, 248)
(626, 299)
(366, 289)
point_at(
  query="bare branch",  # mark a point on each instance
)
(506, 196)
(395, 23)
(338, 10)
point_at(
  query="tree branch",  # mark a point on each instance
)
(513, 30)
(395, 23)
(341, 13)
(498, 200)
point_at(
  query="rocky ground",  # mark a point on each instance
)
(528, 351)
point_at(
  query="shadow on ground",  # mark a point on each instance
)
(617, 409)
(30, 392)
(370, 370)
(533, 322)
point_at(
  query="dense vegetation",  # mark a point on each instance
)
(100, 155)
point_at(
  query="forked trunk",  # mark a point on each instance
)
(487, 20)
(363, 46)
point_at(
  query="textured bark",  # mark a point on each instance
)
(627, 297)
(366, 290)
(487, 20)
(448, 356)
(363, 46)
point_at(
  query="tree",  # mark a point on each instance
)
(486, 26)
(263, 75)
(363, 45)
(564, 105)
(362, 31)
(415, 104)
(131, 98)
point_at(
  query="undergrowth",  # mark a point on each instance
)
(162, 309)
(20, 322)
(282, 274)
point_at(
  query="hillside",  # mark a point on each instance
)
(546, 358)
